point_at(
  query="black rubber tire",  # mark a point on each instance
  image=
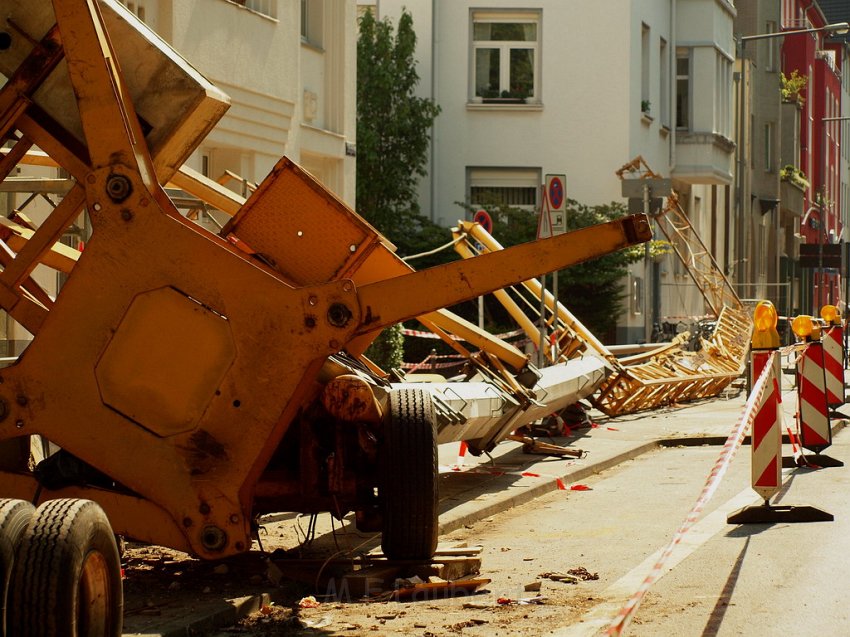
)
(14, 517)
(409, 477)
(66, 580)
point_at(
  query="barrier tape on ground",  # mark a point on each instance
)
(730, 447)
(559, 482)
(459, 468)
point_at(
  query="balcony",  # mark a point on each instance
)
(704, 158)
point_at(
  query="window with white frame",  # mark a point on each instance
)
(264, 7)
(771, 47)
(311, 22)
(768, 147)
(644, 68)
(683, 89)
(506, 55)
(723, 96)
(514, 187)
(664, 77)
(136, 7)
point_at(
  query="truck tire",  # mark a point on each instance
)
(66, 580)
(14, 517)
(408, 477)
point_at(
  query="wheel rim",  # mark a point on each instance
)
(93, 601)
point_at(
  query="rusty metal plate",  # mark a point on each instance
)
(165, 362)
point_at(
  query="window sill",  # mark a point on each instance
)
(311, 45)
(664, 131)
(503, 104)
(241, 5)
(646, 118)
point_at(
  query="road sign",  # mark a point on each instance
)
(483, 218)
(553, 209)
(556, 192)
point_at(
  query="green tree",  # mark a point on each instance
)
(593, 290)
(393, 129)
(393, 135)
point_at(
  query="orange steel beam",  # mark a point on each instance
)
(389, 301)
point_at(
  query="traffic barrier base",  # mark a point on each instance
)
(771, 514)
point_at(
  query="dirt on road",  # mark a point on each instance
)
(529, 591)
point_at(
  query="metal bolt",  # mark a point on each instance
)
(346, 287)
(213, 538)
(97, 207)
(339, 315)
(352, 247)
(118, 187)
(313, 300)
(204, 508)
(234, 519)
(334, 344)
(126, 214)
(91, 179)
(19, 424)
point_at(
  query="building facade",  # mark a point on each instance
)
(527, 89)
(290, 71)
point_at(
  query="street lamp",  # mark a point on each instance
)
(837, 28)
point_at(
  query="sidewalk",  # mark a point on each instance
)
(481, 488)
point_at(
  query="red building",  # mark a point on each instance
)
(812, 57)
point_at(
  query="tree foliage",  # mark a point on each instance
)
(393, 129)
(593, 290)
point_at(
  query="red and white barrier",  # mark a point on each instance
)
(767, 427)
(815, 432)
(833, 352)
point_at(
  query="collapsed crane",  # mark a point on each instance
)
(658, 377)
(195, 380)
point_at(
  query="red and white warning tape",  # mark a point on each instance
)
(421, 334)
(731, 446)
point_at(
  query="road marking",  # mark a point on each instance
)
(601, 616)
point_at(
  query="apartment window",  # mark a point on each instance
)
(311, 22)
(683, 89)
(636, 295)
(515, 187)
(505, 55)
(768, 148)
(723, 96)
(265, 7)
(136, 7)
(771, 48)
(664, 76)
(644, 68)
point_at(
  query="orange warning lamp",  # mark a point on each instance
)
(765, 335)
(804, 327)
(830, 314)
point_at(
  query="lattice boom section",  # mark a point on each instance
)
(679, 376)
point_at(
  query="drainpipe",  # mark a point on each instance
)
(671, 98)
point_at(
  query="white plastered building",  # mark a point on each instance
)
(530, 88)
